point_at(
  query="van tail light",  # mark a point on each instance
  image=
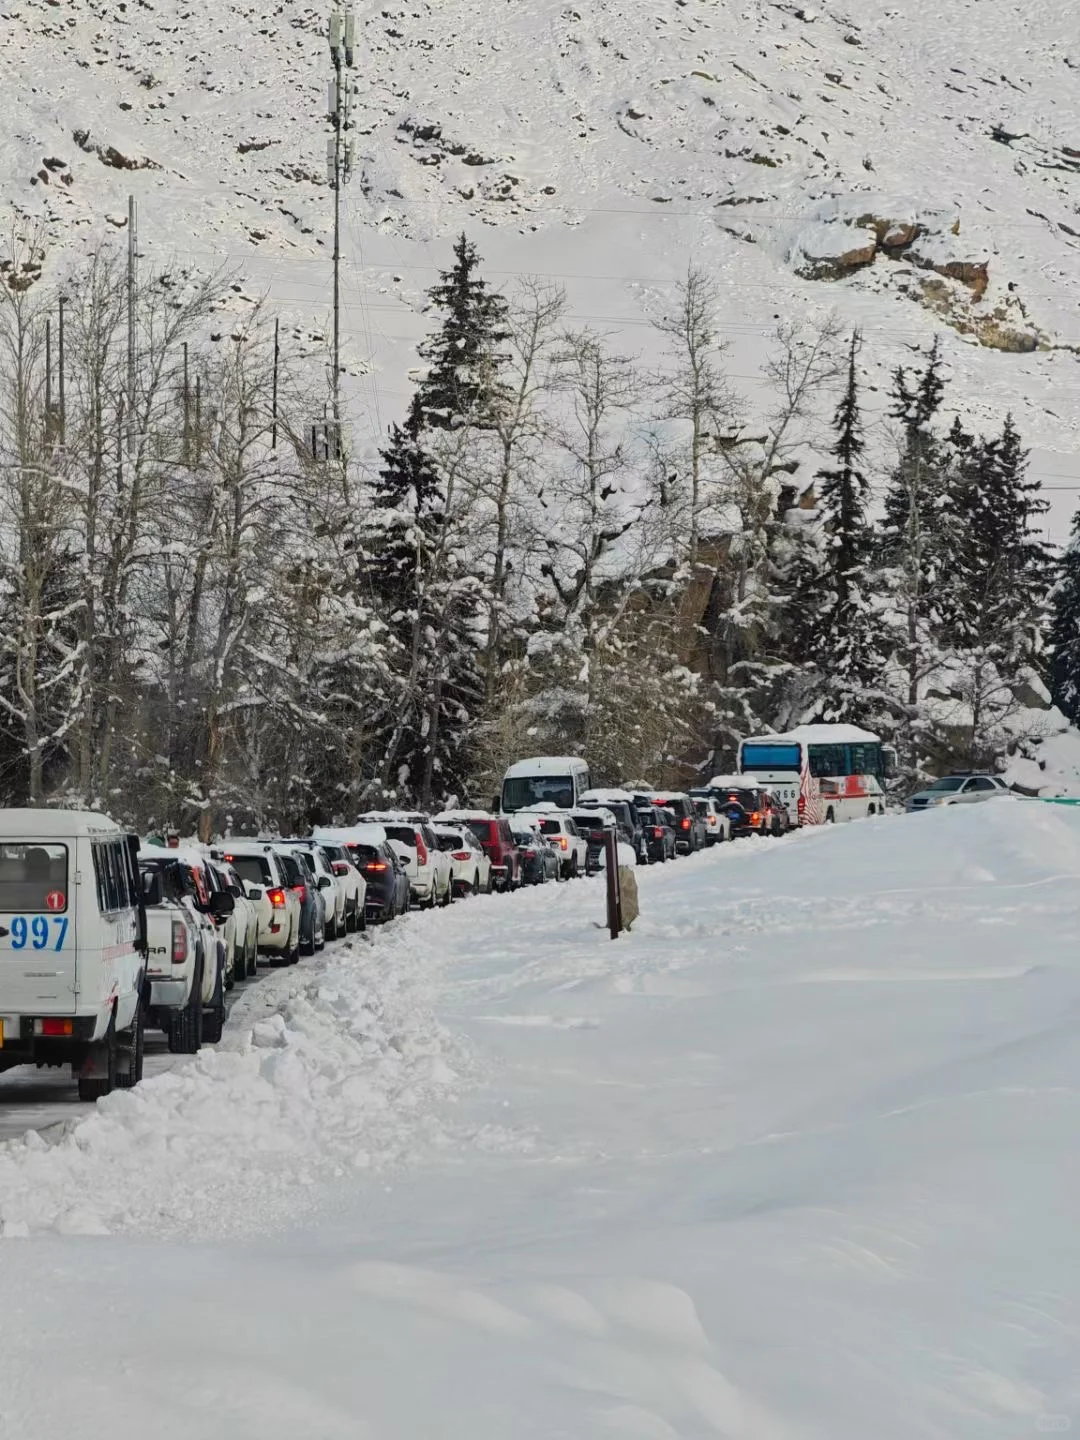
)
(54, 1028)
(684, 823)
(459, 855)
(276, 897)
(340, 868)
(375, 865)
(179, 942)
(421, 851)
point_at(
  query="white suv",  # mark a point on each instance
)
(431, 871)
(349, 877)
(278, 904)
(471, 865)
(563, 834)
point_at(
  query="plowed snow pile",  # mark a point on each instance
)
(796, 1160)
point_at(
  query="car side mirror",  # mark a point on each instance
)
(255, 893)
(222, 904)
(325, 882)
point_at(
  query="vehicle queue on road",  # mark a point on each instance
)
(104, 934)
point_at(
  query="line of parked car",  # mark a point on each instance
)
(105, 934)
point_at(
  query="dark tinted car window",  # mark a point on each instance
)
(403, 834)
(290, 868)
(482, 829)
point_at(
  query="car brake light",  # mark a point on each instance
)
(53, 1027)
(530, 854)
(179, 942)
(685, 823)
(340, 868)
(276, 897)
(802, 804)
(421, 850)
(375, 865)
(755, 818)
(459, 855)
(564, 843)
(300, 890)
(658, 832)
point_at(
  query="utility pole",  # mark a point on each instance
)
(339, 164)
(131, 293)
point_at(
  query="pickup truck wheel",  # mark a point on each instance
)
(129, 1068)
(213, 1016)
(184, 1030)
(94, 1089)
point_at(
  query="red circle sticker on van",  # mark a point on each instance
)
(56, 899)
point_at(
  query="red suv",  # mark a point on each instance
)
(495, 835)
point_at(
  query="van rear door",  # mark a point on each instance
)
(37, 927)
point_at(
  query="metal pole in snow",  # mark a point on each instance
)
(131, 286)
(614, 899)
(60, 366)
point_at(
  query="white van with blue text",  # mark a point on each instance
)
(72, 947)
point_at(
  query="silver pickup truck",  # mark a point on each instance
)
(186, 961)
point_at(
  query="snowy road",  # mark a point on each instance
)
(795, 1159)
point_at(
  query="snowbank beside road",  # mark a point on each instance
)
(324, 1069)
(794, 1159)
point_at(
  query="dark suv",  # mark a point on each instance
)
(626, 819)
(753, 811)
(691, 832)
(658, 835)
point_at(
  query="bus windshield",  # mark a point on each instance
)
(771, 757)
(526, 790)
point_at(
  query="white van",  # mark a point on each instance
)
(558, 780)
(72, 947)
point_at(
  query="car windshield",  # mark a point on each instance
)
(527, 790)
(948, 782)
(33, 877)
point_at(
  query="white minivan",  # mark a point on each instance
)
(72, 947)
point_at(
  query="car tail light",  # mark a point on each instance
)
(375, 865)
(712, 819)
(179, 942)
(300, 890)
(276, 897)
(54, 1028)
(755, 818)
(340, 868)
(421, 850)
(564, 843)
(459, 855)
(802, 804)
(658, 832)
(529, 854)
(684, 823)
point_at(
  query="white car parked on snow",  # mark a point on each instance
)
(471, 866)
(278, 904)
(349, 877)
(563, 834)
(430, 869)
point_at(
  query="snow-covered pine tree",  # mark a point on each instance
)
(466, 354)
(840, 618)
(913, 551)
(1000, 577)
(1063, 640)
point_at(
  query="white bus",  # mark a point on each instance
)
(558, 780)
(822, 773)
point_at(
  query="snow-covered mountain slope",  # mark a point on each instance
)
(903, 165)
(795, 1158)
